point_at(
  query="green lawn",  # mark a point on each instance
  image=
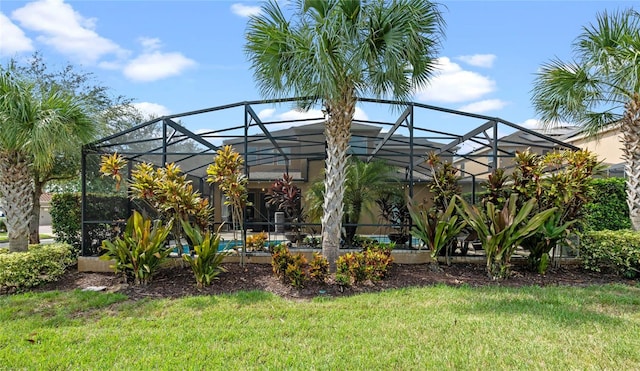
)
(5, 238)
(428, 328)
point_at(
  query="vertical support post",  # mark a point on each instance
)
(411, 154)
(83, 200)
(246, 173)
(495, 146)
(164, 142)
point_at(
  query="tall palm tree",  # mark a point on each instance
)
(600, 88)
(333, 51)
(35, 125)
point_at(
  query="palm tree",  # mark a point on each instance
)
(333, 51)
(600, 88)
(35, 125)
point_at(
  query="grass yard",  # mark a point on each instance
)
(437, 327)
(4, 237)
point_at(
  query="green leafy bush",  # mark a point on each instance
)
(42, 263)
(206, 262)
(608, 210)
(140, 250)
(66, 218)
(295, 269)
(617, 251)
(369, 264)
(502, 230)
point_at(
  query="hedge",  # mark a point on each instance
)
(617, 251)
(608, 210)
(40, 264)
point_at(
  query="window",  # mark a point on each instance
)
(358, 145)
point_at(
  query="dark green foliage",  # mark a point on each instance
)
(617, 251)
(66, 218)
(370, 264)
(42, 263)
(608, 210)
(206, 262)
(295, 269)
(140, 250)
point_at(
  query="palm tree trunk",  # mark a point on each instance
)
(34, 224)
(631, 154)
(17, 188)
(338, 133)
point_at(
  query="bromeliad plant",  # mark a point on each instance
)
(436, 228)
(140, 250)
(502, 230)
(206, 263)
(112, 166)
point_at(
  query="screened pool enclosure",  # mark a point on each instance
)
(274, 139)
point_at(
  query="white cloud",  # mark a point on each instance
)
(484, 106)
(531, 124)
(150, 44)
(478, 60)
(266, 113)
(12, 38)
(66, 30)
(151, 110)
(151, 66)
(452, 84)
(245, 10)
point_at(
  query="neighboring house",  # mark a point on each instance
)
(45, 207)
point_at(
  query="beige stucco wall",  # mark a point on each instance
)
(607, 146)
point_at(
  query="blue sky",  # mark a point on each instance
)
(177, 56)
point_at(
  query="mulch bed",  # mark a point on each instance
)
(179, 282)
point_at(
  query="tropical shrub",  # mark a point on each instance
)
(435, 228)
(318, 267)
(140, 250)
(502, 230)
(295, 269)
(206, 264)
(370, 264)
(256, 242)
(617, 251)
(608, 210)
(566, 186)
(41, 263)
